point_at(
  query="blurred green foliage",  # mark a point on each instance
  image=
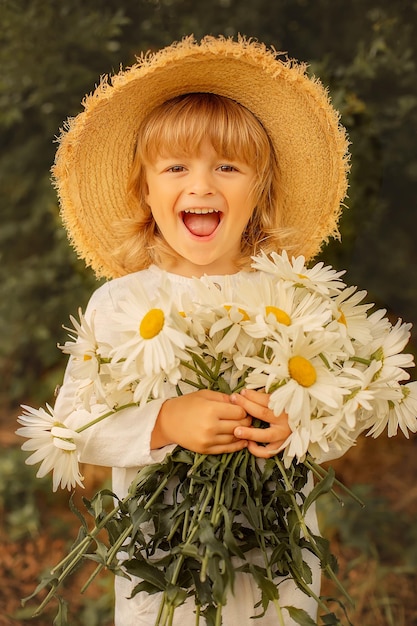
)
(52, 53)
(29, 510)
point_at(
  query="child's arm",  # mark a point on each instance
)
(255, 403)
(202, 421)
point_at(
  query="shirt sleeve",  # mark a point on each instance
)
(122, 439)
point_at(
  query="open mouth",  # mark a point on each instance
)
(201, 222)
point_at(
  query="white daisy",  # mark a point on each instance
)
(211, 293)
(276, 304)
(320, 278)
(394, 407)
(300, 379)
(339, 441)
(157, 386)
(387, 347)
(52, 444)
(362, 393)
(198, 319)
(83, 348)
(228, 331)
(228, 318)
(403, 414)
(153, 333)
(316, 437)
(352, 316)
(99, 389)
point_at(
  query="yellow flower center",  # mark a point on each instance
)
(87, 357)
(152, 324)
(243, 313)
(342, 318)
(302, 371)
(302, 276)
(281, 316)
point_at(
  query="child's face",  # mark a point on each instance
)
(201, 205)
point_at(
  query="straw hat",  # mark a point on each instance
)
(96, 147)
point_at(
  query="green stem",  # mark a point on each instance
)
(244, 456)
(189, 524)
(358, 359)
(118, 544)
(158, 491)
(76, 555)
(217, 367)
(193, 383)
(219, 493)
(105, 416)
(207, 374)
(307, 590)
(160, 610)
(320, 472)
(219, 611)
(307, 534)
(216, 509)
(262, 546)
(167, 609)
(180, 518)
(198, 460)
(92, 577)
(83, 545)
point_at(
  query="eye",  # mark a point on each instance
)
(228, 168)
(175, 169)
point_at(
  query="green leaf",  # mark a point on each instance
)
(331, 620)
(327, 619)
(78, 513)
(61, 618)
(300, 616)
(48, 580)
(175, 595)
(324, 486)
(267, 586)
(148, 572)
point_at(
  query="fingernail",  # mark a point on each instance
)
(238, 432)
(243, 392)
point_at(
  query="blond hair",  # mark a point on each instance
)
(179, 126)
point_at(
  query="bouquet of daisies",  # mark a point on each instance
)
(298, 333)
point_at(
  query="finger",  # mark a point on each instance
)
(229, 412)
(225, 448)
(260, 397)
(229, 426)
(265, 452)
(261, 411)
(263, 435)
(214, 396)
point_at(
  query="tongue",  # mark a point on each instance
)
(201, 225)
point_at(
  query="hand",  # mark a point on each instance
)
(255, 403)
(202, 421)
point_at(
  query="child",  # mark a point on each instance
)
(187, 164)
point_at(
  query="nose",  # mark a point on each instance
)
(201, 183)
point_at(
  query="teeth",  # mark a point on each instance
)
(201, 211)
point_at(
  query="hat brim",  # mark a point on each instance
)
(96, 149)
